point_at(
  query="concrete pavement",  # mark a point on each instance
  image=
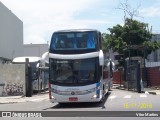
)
(155, 91)
(151, 91)
(18, 99)
(45, 96)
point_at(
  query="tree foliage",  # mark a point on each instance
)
(133, 37)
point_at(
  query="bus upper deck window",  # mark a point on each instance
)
(82, 41)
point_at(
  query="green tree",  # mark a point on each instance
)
(133, 37)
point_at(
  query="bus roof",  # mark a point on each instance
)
(76, 30)
(22, 59)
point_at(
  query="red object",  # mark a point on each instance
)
(153, 76)
(73, 99)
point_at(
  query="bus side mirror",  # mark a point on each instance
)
(111, 68)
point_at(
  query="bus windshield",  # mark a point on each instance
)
(74, 40)
(73, 71)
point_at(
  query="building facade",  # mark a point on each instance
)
(35, 49)
(155, 56)
(11, 35)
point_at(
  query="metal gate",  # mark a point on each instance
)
(133, 76)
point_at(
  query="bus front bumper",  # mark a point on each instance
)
(75, 98)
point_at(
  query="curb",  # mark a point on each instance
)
(20, 99)
(147, 92)
(153, 93)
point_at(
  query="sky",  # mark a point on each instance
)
(42, 17)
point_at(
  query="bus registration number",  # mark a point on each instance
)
(72, 99)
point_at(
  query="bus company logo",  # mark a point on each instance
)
(6, 114)
(72, 93)
(72, 89)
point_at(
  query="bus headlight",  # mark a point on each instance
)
(91, 90)
(52, 97)
(94, 96)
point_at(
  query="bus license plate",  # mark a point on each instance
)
(72, 99)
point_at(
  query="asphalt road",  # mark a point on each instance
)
(116, 100)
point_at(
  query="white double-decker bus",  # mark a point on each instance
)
(76, 67)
